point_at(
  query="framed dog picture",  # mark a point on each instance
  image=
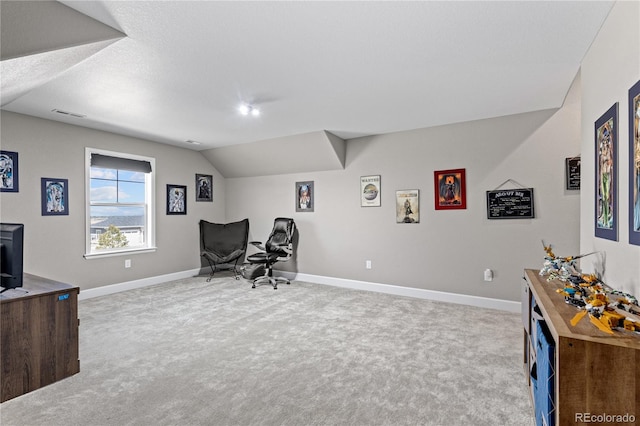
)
(55, 196)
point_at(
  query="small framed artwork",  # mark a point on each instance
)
(176, 199)
(204, 187)
(55, 196)
(572, 174)
(450, 189)
(370, 191)
(8, 171)
(305, 194)
(634, 164)
(606, 176)
(408, 206)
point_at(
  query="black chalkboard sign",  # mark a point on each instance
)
(510, 204)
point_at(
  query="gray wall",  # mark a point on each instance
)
(55, 245)
(447, 250)
(609, 69)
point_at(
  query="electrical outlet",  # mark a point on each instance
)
(488, 275)
(367, 264)
(127, 263)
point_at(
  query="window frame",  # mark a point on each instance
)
(150, 206)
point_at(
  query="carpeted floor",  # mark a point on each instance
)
(190, 352)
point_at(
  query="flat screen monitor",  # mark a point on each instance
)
(11, 252)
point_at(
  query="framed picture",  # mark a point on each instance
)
(606, 185)
(176, 199)
(634, 164)
(204, 187)
(8, 171)
(450, 189)
(572, 173)
(55, 196)
(408, 206)
(370, 191)
(305, 194)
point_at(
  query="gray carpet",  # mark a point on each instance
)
(195, 353)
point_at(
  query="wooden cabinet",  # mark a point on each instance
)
(39, 332)
(594, 374)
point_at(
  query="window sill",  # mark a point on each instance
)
(90, 256)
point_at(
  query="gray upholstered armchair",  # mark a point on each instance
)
(224, 244)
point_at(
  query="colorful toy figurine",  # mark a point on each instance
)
(608, 309)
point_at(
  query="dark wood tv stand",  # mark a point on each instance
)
(39, 332)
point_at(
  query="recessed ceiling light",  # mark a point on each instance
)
(193, 142)
(246, 109)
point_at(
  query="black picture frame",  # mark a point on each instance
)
(9, 176)
(204, 187)
(176, 199)
(516, 203)
(572, 173)
(606, 175)
(634, 164)
(54, 194)
(305, 196)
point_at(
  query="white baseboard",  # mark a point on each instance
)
(440, 296)
(130, 285)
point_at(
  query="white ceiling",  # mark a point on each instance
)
(352, 68)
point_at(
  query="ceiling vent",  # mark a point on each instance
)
(72, 114)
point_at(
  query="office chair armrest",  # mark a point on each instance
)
(258, 244)
(288, 248)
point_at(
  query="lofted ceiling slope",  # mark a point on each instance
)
(340, 68)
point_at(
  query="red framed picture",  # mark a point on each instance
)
(450, 189)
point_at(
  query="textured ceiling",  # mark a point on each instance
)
(350, 68)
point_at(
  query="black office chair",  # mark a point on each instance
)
(278, 248)
(224, 244)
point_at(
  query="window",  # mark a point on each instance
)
(120, 203)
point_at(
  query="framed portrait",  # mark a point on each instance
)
(408, 206)
(572, 174)
(204, 187)
(305, 196)
(450, 189)
(606, 176)
(370, 191)
(55, 196)
(634, 164)
(8, 171)
(176, 199)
